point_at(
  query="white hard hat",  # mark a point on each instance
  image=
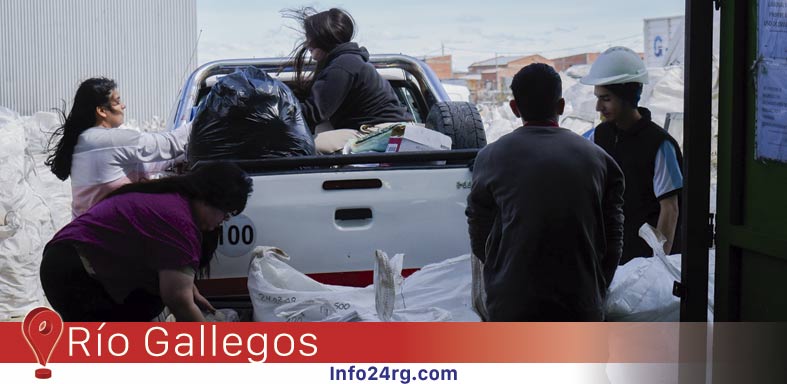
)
(617, 65)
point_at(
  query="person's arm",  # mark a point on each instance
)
(668, 220)
(481, 211)
(145, 147)
(326, 96)
(667, 182)
(202, 302)
(177, 292)
(612, 209)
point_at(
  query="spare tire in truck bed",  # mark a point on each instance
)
(460, 121)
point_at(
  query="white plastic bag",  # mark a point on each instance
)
(27, 222)
(478, 290)
(642, 288)
(387, 280)
(437, 292)
(442, 286)
(318, 309)
(280, 293)
(223, 315)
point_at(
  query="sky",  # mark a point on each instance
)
(470, 31)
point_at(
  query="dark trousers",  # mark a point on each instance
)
(515, 308)
(76, 296)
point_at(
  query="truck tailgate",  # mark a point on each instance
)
(331, 222)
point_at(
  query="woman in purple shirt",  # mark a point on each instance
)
(140, 248)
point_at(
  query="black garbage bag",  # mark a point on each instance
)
(249, 115)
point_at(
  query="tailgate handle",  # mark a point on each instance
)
(333, 185)
(353, 214)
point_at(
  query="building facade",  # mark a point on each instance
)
(495, 75)
(47, 48)
(441, 65)
(563, 63)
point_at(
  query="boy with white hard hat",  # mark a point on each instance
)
(650, 158)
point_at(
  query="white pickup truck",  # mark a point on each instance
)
(330, 213)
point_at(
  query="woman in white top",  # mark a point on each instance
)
(100, 157)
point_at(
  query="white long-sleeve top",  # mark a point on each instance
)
(107, 158)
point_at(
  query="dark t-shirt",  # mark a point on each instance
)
(545, 216)
(126, 239)
(349, 92)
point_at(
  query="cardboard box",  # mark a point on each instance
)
(412, 137)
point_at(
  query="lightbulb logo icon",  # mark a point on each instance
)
(42, 329)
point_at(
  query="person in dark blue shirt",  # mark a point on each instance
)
(345, 91)
(545, 212)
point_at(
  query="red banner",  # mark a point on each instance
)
(353, 342)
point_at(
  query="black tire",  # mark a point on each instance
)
(460, 121)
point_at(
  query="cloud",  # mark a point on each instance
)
(456, 41)
(469, 31)
(391, 36)
(509, 38)
(217, 50)
(565, 29)
(468, 19)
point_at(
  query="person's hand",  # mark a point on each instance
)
(202, 302)
(180, 164)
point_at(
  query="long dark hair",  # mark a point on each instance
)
(324, 30)
(92, 93)
(222, 185)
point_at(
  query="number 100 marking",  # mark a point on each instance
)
(237, 235)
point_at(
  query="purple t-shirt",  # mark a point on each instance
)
(127, 239)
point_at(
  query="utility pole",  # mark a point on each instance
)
(442, 49)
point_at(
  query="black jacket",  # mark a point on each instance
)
(545, 216)
(349, 92)
(635, 151)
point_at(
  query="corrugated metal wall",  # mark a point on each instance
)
(47, 47)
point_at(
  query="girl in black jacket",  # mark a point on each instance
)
(345, 90)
